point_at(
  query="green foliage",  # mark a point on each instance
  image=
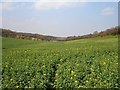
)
(86, 63)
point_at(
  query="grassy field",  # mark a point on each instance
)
(85, 63)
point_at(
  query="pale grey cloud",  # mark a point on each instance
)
(9, 5)
(107, 11)
(56, 4)
(19, 0)
(60, 0)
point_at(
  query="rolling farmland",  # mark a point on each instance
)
(84, 63)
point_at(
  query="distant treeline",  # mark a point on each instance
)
(21, 35)
(30, 36)
(111, 31)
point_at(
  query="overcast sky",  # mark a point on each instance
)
(58, 17)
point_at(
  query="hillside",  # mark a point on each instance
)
(30, 36)
(21, 35)
(107, 32)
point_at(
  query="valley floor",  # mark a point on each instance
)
(84, 63)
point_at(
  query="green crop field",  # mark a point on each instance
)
(84, 63)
